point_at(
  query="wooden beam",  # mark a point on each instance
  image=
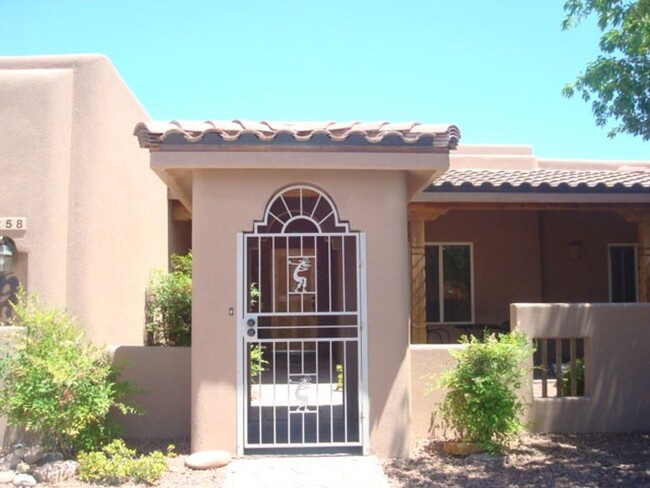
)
(418, 283)
(429, 213)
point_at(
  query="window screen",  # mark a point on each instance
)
(622, 273)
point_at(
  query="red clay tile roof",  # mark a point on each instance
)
(244, 133)
(543, 181)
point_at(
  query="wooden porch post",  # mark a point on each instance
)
(419, 214)
(418, 283)
(644, 258)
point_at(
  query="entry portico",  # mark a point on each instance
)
(228, 175)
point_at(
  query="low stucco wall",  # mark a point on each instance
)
(7, 335)
(427, 362)
(617, 384)
(165, 375)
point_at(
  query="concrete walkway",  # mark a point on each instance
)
(306, 472)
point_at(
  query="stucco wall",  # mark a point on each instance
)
(226, 202)
(584, 279)
(617, 385)
(506, 257)
(97, 215)
(164, 374)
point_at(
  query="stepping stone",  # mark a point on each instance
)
(207, 459)
(24, 480)
(6, 477)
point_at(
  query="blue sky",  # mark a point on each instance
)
(494, 68)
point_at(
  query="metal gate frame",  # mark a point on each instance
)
(362, 347)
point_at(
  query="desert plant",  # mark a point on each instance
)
(253, 296)
(580, 378)
(257, 363)
(482, 404)
(169, 304)
(56, 384)
(339, 377)
(116, 464)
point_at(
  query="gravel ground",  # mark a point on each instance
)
(568, 460)
(571, 460)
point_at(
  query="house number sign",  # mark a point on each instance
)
(13, 223)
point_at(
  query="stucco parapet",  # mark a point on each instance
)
(64, 61)
(424, 348)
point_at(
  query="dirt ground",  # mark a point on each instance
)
(566, 460)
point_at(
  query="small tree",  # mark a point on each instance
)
(169, 304)
(482, 404)
(56, 384)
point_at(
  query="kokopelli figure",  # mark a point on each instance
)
(302, 394)
(301, 266)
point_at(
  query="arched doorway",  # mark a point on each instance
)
(301, 340)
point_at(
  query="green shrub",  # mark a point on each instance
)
(482, 404)
(580, 378)
(169, 304)
(116, 464)
(56, 384)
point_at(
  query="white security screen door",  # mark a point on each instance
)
(302, 380)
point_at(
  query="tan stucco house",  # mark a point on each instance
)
(335, 264)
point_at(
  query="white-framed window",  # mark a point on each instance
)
(449, 282)
(623, 280)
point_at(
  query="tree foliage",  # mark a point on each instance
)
(169, 304)
(618, 82)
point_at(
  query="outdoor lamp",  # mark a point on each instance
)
(7, 252)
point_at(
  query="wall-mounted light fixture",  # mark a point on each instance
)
(575, 250)
(8, 251)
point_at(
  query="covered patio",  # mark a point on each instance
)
(534, 232)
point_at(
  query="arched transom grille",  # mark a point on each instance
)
(300, 209)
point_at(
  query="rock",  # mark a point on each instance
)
(34, 454)
(24, 480)
(6, 477)
(207, 459)
(11, 460)
(56, 471)
(50, 457)
(23, 468)
(461, 448)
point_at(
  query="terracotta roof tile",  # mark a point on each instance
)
(240, 132)
(543, 181)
